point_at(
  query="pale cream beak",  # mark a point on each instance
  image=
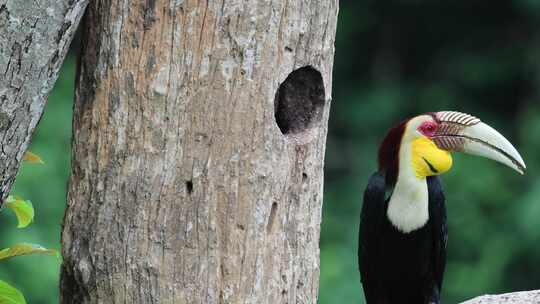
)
(476, 138)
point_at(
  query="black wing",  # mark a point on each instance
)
(439, 228)
(371, 217)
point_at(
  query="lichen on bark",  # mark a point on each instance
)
(34, 39)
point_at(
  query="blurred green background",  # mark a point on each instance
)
(394, 59)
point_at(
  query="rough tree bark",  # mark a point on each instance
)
(524, 297)
(34, 39)
(199, 134)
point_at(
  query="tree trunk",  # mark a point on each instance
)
(199, 135)
(34, 38)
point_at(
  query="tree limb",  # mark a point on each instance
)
(523, 297)
(34, 39)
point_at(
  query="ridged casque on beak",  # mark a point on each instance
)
(465, 133)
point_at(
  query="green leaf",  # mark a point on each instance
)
(24, 249)
(23, 210)
(10, 295)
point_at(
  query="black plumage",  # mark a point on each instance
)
(397, 267)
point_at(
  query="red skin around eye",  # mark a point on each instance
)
(428, 128)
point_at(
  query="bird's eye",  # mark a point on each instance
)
(428, 128)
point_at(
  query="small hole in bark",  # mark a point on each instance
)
(299, 103)
(189, 186)
(4, 121)
(271, 218)
(304, 177)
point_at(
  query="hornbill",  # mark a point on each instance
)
(402, 239)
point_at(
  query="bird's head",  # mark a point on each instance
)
(424, 143)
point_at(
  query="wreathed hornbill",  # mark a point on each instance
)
(402, 240)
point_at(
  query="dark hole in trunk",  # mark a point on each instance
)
(299, 102)
(189, 186)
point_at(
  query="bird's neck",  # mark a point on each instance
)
(408, 206)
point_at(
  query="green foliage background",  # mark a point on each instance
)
(393, 59)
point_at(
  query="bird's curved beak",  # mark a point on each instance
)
(465, 133)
